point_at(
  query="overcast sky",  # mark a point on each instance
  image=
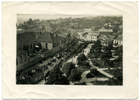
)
(24, 17)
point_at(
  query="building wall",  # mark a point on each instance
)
(56, 49)
(21, 60)
(43, 44)
(50, 46)
(30, 45)
(28, 64)
(118, 42)
(46, 54)
(115, 41)
(92, 38)
(104, 43)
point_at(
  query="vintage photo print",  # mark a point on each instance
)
(70, 50)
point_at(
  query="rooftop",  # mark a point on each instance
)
(45, 37)
(106, 37)
(119, 37)
(105, 30)
(25, 38)
(49, 37)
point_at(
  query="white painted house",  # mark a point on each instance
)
(90, 36)
(51, 41)
(118, 41)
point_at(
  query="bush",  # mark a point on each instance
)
(94, 71)
(84, 63)
(87, 64)
(115, 82)
(67, 67)
(96, 64)
(89, 75)
(55, 77)
(81, 58)
(75, 75)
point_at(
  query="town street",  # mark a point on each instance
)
(83, 75)
(101, 70)
(72, 59)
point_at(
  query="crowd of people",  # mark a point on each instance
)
(32, 76)
(39, 72)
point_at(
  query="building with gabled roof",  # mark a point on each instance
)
(105, 39)
(51, 41)
(25, 47)
(105, 31)
(91, 36)
(118, 41)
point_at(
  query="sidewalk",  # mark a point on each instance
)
(101, 70)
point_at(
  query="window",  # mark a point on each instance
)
(115, 41)
(46, 46)
(102, 42)
(27, 47)
(17, 61)
(24, 57)
(119, 42)
(20, 59)
(31, 46)
(54, 45)
(105, 38)
(58, 43)
(34, 45)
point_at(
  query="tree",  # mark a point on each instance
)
(94, 71)
(75, 75)
(96, 47)
(81, 58)
(67, 67)
(107, 53)
(56, 77)
(119, 52)
(118, 80)
(30, 21)
(115, 26)
(110, 45)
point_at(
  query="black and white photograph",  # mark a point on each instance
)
(69, 49)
